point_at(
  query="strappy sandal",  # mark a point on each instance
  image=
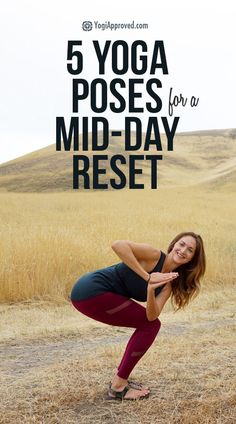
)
(135, 385)
(114, 395)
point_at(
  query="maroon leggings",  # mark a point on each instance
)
(114, 309)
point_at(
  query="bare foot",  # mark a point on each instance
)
(136, 394)
(120, 382)
(127, 393)
(138, 386)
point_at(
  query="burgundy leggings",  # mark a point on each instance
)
(114, 309)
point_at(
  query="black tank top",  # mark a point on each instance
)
(118, 278)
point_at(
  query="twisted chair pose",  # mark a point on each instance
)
(145, 274)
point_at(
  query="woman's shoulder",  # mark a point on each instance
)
(150, 252)
(152, 259)
(156, 253)
(142, 251)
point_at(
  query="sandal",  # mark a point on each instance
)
(135, 385)
(114, 395)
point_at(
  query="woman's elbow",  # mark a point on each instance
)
(117, 244)
(114, 243)
(151, 318)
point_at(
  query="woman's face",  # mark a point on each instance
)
(183, 250)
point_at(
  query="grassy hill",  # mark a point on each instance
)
(199, 158)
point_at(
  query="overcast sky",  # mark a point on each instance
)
(199, 38)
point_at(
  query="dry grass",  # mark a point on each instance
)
(56, 370)
(198, 158)
(55, 363)
(48, 240)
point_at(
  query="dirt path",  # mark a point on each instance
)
(19, 359)
(62, 378)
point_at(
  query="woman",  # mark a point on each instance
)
(145, 274)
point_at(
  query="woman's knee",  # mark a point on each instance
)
(153, 326)
(156, 324)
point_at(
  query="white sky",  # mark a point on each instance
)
(199, 39)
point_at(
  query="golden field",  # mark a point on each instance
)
(56, 363)
(202, 157)
(48, 240)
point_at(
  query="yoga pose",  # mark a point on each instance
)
(145, 274)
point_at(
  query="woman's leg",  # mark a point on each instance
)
(117, 310)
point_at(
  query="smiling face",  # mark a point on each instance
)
(183, 250)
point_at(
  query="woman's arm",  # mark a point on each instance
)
(156, 304)
(132, 254)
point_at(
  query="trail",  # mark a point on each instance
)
(19, 359)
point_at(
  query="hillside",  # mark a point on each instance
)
(204, 157)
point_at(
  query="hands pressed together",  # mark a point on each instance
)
(157, 279)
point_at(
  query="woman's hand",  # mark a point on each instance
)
(157, 279)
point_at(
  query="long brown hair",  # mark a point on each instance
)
(187, 285)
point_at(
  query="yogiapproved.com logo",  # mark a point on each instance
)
(87, 25)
